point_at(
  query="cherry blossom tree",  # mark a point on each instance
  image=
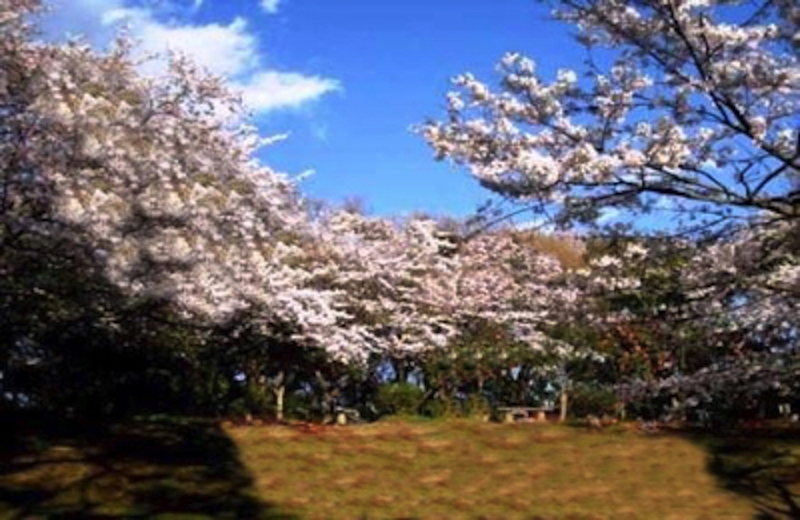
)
(697, 113)
(415, 286)
(390, 275)
(697, 326)
(153, 182)
(152, 172)
(744, 291)
(507, 282)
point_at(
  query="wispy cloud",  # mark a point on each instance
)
(319, 130)
(271, 89)
(228, 49)
(270, 6)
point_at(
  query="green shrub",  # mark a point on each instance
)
(238, 407)
(300, 406)
(399, 399)
(592, 400)
(477, 406)
(258, 399)
(441, 408)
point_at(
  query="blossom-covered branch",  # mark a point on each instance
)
(696, 109)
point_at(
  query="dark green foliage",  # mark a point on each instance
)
(588, 399)
(442, 408)
(399, 399)
(73, 344)
(476, 406)
(485, 360)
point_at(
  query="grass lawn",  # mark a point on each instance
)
(458, 469)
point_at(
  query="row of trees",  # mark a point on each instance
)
(151, 263)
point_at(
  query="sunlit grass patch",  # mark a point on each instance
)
(462, 469)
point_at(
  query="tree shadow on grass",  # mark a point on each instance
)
(763, 465)
(138, 469)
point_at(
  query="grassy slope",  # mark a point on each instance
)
(399, 470)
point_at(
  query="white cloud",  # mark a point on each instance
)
(226, 50)
(270, 6)
(229, 50)
(269, 90)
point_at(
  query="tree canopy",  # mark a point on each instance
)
(151, 261)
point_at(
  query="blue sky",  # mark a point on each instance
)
(347, 79)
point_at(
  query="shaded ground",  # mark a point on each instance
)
(761, 465)
(146, 469)
(457, 469)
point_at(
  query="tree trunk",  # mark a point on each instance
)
(279, 390)
(400, 370)
(278, 386)
(564, 401)
(326, 398)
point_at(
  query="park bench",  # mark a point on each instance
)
(524, 413)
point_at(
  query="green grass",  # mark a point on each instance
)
(454, 469)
